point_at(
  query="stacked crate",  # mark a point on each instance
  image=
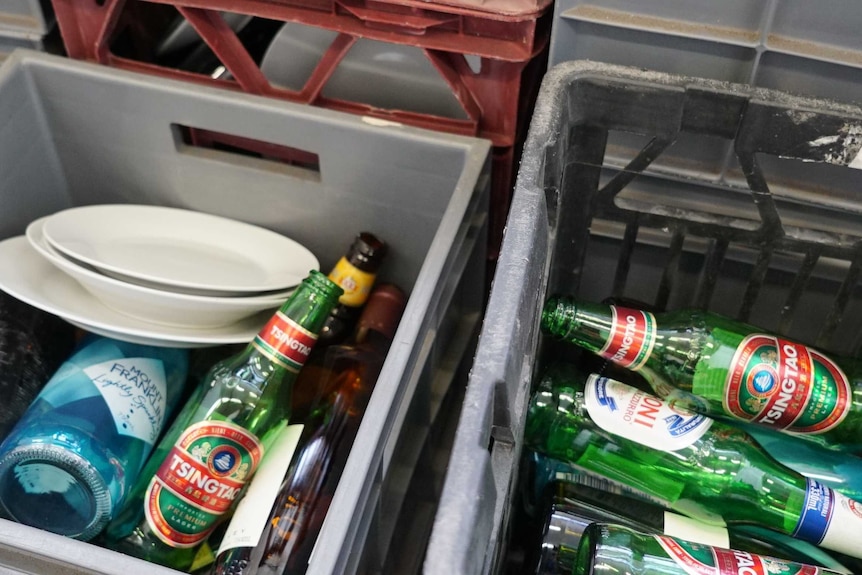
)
(490, 55)
(24, 24)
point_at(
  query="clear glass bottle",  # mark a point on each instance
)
(217, 441)
(76, 452)
(695, 465)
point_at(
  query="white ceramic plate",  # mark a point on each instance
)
(153, 305)
(26, 275)
(180, 250)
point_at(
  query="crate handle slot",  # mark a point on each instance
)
(247, 152)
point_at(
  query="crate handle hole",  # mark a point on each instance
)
(246, 151)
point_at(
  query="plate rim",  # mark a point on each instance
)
(237, 332)
(129, 275)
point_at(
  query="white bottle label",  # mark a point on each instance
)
(134, 389)
(640, 417)
(830, 519)
(248, 521)
(682, 527)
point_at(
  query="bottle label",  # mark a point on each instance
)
(249, 519)
(285, 342)
(640, 417)
(676, 525)
(632, 337)
(830, 519)
(355, 283)
(135, 391)
(698, 559)
(786, 385)
(199, 480)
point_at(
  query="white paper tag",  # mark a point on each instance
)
(248, 521)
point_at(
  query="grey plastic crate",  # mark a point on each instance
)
(796, 46)
(73, 133)
(26, 18)
(789, 262)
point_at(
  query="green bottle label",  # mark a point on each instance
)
(631, 338)
(697, 559)
(786, 385)
(199, 481)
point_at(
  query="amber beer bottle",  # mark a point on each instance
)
(215, 444)
(612, 548)
(722, 367)
(355, 273)
(281, 541)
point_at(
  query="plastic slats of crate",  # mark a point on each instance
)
(501, 9)
(80, 133)
(488, 93)
(796, 46)
(25, 19)
(782, 249)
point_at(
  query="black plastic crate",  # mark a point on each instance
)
(780, 248)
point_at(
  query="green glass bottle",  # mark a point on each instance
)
(216, 442)
(723, 367)
(569, 508)
(611, 548)
(692, 464)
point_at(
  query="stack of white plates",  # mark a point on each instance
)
(155, 275)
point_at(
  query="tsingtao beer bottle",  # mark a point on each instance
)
(569, 508)
(723, 367)
(276, 525)
(692, 464)
(215, 444)
(611, 548)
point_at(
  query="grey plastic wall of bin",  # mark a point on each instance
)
(632, 250)
(9, 44)
(796, 46)
(73, 133)
(26, 18)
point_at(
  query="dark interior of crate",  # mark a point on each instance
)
(781, 251)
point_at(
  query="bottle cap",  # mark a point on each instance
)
(382, 311)
(367, 252)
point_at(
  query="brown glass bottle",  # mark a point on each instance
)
(355, 272)
(345, 377)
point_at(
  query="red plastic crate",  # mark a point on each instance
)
(496, 99)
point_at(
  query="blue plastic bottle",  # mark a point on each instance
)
(81, 444)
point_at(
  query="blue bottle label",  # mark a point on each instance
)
(830, 519)
(816, 513)
(135, 391)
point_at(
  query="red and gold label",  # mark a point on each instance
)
(631, 338)
(786, 385)
(285, 342)
(698, 559)
(199, 480)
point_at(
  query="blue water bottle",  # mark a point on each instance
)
(81, 444)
